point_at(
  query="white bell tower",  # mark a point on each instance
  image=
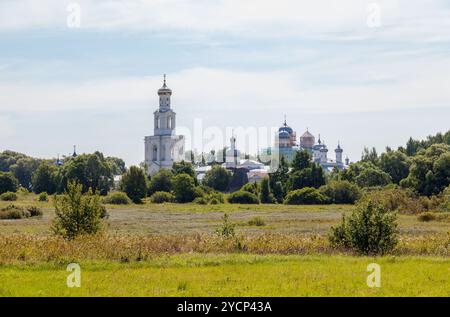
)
(164, 147)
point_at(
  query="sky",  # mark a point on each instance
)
(86, 73)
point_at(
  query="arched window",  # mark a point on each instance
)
(155, 153)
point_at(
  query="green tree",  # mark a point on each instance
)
(372, 176)
(217, 178)
(8, 183)
(429, 173)
(341, 192)
(265, 196)
(45, 179)
(308, 177)
(183, 167)
(134, 184)
(161, 182)
(184, 188)
(117, 165)
(77, 214)
(396, 164)
(90, 170)
(23, 170)
(370, 155)
(301, 161)
(278, 180)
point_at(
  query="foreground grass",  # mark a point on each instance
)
(233, 275)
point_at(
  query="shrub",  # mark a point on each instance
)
(445, 200)
(257, 221)
(243, 197)
(34, 211)
(13, 212)
(251, 188)
(217, 178)
(8, 196)
(426, 216)
(201, 201)
(394, 199)
(161, 182)
(213, 198)
(43, 197)
(104, 212)
(227, 228)
(305, 196)
(162, 197)
(341, 192)
(370, 229)
(184, 188)
(77, 214)
(117, 198)
(134, 184)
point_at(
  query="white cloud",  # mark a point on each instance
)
(401, 19)
(385, 85)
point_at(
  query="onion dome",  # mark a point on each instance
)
(307, 140)
(283, 134)
(164, 90)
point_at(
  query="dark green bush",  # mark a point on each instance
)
(134, 184)
(184, 188)
(265, 195)
(8, 196)
(162, 197)
(370, 229)
(305, 196)
(341, 192)
(117, 198)
(243, 197)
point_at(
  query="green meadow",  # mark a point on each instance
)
(172, 250)
(234, 275)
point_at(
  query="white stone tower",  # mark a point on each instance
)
(338, 152)
(232, 154)
(164, 147)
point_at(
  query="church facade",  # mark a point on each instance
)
(164, 147)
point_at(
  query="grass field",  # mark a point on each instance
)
(234, 275)
(171, 250)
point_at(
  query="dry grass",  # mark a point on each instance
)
(31, 248)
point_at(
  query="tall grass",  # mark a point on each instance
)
(127, 248)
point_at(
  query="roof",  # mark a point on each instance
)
(307, 135)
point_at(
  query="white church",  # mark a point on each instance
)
(163, 147)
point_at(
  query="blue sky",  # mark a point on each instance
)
(230, 63)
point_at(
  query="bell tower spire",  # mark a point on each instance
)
(164, 96)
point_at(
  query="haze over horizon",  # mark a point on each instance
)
(229, 63)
